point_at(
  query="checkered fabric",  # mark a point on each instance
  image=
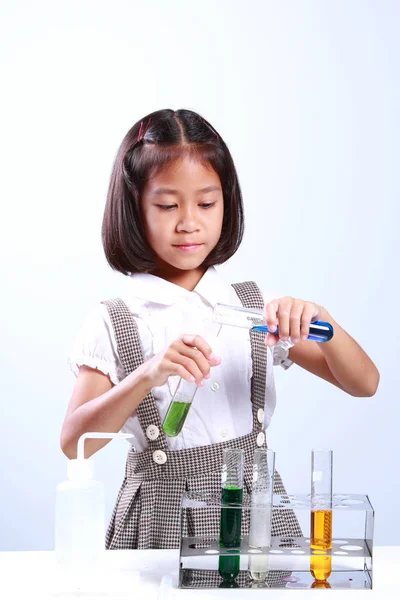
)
(147, 510)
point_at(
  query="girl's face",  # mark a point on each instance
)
(183, 209)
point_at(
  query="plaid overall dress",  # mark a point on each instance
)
(146, 514)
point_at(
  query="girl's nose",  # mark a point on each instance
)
(187, 222)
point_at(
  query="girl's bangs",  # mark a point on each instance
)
(155, 157)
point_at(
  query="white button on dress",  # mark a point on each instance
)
(159, 457)
(224, 433)
(260, 439)
(214, 386)
(152, 432)
(260, 415)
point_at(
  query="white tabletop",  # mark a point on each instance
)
(152, 574)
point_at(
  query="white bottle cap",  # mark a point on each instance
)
(79, 469)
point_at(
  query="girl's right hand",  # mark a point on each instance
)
(189, 357)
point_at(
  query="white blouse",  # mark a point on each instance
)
(221, 410)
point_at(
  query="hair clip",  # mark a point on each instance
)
(211, 129)
(148, 124)
(142, 133)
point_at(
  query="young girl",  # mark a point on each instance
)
(173, 211)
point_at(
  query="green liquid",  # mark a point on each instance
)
(175, 418)
(229, 535)
(228, 584)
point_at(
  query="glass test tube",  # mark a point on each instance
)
(182, 399)
(254, 319)
(236, 316)
(261, 511)
(321, 513)
(231, 511)
(179, 407)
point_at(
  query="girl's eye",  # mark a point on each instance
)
(166, 206)
(204, 205)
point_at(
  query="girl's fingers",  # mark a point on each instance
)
(316, 312)
(193, 352)
(198, 357)
(295, 318)
(305, 321)
(190, 366)
(180, 370)
(270, 339)
(196, 341)
(310, 313)
(285, 306)
(271, 311)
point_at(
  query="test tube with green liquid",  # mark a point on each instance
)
(179, 407)
(181, 402)
(231, 511)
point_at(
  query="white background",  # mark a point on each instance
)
(306, 95)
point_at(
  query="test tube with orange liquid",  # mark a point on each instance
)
(321, 514)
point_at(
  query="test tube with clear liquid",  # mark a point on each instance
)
(236, 316)
(321, 514)
(254, 319)
(261, 512)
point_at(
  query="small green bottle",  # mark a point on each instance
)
(231, 511)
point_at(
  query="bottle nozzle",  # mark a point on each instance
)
(98, 435)
(83, 468)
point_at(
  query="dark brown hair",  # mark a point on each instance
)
(156, 140)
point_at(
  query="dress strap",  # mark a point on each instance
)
(131, 356)
(250, 296)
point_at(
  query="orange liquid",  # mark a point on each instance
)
(321, 529)
(321, 539)
(321, 585)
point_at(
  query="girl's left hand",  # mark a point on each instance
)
(293, 318)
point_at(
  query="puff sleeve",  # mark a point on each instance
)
(95, 346)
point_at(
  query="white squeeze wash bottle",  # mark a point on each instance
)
(80, 513)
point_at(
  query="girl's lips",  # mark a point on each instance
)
(187, 247)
